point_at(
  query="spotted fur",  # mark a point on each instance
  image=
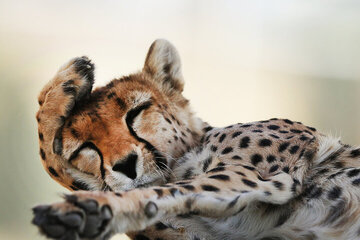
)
(168, 175)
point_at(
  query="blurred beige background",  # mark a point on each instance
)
(242, 61)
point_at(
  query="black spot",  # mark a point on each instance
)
(213, 148)
(74, 133)
(265, 142)
(273, 127)
(249, 168)
(210, 188)
(335, 174)
(295, 131)
(53, 172)
(244, 143)
(286, 169)
(227, 150)
(240, 173)
(334, 193)
(188, 173)
(141, 237)
(159, 192)
(294, 149)
(274, 136)
(322, 171)
(217, 169)
(207, 163)
(288, 121)
(236, 157)
(80, 185)
(208, 129)
(42, 154)
(356, 182)
(308, 132)
(235, 134)
(121, 103)
(233, 202)
(111, 95)
(222, 137)
(110, 85)
(221, 164)
(283, 146)
(309, 155)
(160, 226)
(41, 136)
(355, 153)
(274, 168)
(314, 192)
(173, 191)
(222, 177)
(249, 183)
(270, 158)
(256, 158)
(353, 172)
(278, 185)
(188, 187)
(168, 120)
(303, 138)
(257, 131)
(311, 128)
(338, 164)
(216, 134)
(282, 131)
(246, 125)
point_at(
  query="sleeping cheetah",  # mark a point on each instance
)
(149, 168)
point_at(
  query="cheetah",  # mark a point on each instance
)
(141, 163)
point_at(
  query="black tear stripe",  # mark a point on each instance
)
(160, 160)
(93, 147)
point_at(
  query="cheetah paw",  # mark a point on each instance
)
(74, 219)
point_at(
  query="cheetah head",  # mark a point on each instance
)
(120, 136)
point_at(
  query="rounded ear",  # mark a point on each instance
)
(163, 65)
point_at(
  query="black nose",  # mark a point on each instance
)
(127, 165)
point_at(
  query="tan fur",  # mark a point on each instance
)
(273, 179)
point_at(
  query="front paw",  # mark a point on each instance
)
(76, 218)
(78, 77)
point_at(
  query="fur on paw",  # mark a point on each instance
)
(73, 219)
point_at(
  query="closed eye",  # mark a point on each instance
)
(92, 148)
(89, 145)
(132, 114)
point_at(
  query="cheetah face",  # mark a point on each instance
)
(121, 136)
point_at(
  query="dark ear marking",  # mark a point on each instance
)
(163, 64)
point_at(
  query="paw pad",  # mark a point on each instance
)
(84, 219)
